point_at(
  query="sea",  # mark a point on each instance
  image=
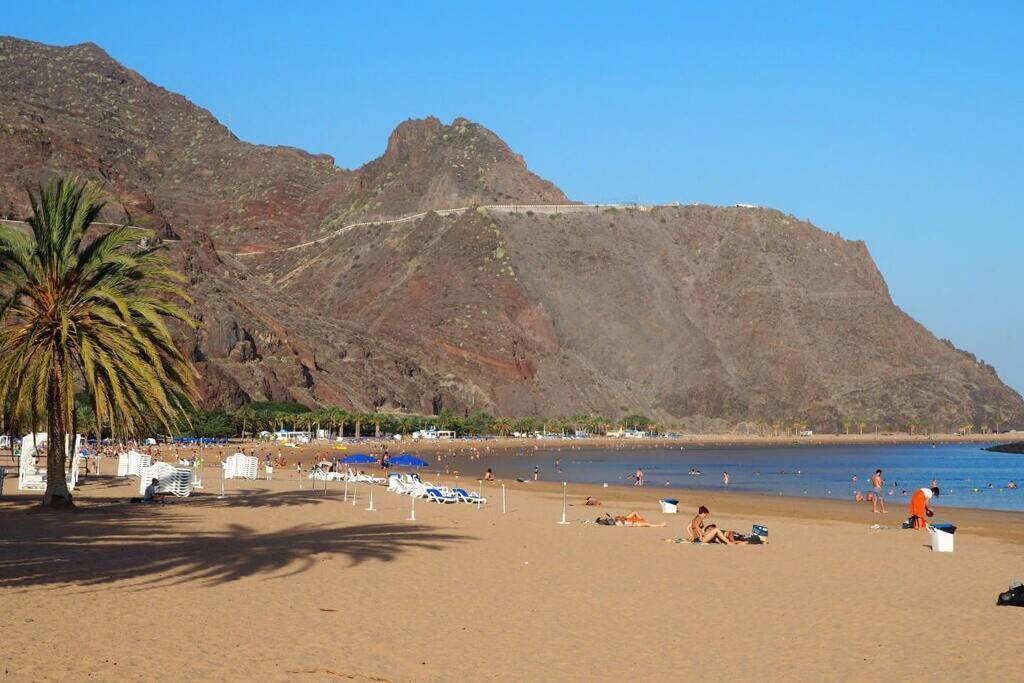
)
(967, 475)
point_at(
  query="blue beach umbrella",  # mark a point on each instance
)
(406, 460)
(358, 459)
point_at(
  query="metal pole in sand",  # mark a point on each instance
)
(370, 508)
(354, 488)
(412, 510)
(221, 482)
(345, 498)
(503, 498)
(480, 494)
(564, 521)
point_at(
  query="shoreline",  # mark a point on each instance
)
(1002, 525)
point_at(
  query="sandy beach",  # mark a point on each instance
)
(281, 583)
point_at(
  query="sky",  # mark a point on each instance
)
(896, 123)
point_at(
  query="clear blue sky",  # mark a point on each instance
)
(896, 123)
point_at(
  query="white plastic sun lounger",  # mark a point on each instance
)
(436, 496)
(241, 466)
(174, 480)
(467, 497)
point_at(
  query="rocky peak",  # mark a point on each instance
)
(430, 165)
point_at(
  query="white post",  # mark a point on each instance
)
(354, 488)
(345, 498)
(564, 521)
(503, 498)
(480, 495)
(221, 481)
(370, 509)
(412, 510)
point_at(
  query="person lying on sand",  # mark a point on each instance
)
(591, 500)
(634, 518)
(701, 532)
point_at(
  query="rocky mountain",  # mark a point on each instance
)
(697, 315)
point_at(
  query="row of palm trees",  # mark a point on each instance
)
(249, 420)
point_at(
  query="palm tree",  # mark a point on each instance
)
(502, 426)
(377, 419)
(247, 415)
(77, 306)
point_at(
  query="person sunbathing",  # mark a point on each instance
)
(634, 518)
(701, 532)
(591, 500)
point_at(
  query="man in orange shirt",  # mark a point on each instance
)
(919, 508)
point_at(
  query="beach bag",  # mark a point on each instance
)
(607, 521)
(1012, 598)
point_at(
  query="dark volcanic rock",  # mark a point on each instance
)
(1014, 447)
(697, 314)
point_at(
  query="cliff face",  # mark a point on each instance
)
(695, 314)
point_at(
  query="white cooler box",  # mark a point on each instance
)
(942, 537)
(669, 506)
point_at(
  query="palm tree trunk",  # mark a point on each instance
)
(57, 494)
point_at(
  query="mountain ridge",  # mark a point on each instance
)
(699, 315)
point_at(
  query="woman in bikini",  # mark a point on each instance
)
(698, 532)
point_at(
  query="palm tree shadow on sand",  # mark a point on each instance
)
(148, 548)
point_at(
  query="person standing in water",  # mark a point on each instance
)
(536, 473)
(877, 483)
(725, 478)
(638, 477)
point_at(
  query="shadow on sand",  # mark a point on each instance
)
(156, 545)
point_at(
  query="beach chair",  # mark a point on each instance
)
(30, 477)
(435, 495)
(241, 466)
(132, 463)
(174, 480)
(467, 497)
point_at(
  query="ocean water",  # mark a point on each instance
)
(964, 472)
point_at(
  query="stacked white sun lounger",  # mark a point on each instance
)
(174, 480)
(132, 463)
(241, 466)
(33, 478)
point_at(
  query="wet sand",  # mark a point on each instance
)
(282, 583)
